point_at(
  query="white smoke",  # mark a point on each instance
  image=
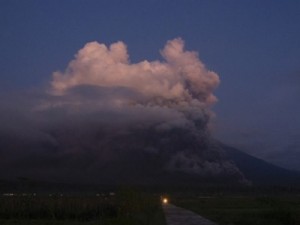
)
(103, 106)
(181, 79)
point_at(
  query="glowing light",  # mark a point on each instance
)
(165, 200)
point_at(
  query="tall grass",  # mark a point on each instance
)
(127, 207)
(140, 208)
(246, 210)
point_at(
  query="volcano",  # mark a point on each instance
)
(177, 157)
(108, 121)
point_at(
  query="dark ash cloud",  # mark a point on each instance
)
(105, 117)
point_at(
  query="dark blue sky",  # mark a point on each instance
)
(254, 46)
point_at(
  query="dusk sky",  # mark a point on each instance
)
(252, 47)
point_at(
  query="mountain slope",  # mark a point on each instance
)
(259, 171)
(175, 157)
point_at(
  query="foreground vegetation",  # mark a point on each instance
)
(241, 210)
(126, 207)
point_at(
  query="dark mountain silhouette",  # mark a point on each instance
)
(178, 157)
(261, 172)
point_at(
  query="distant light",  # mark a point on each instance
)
(8, 194)
(165, 200)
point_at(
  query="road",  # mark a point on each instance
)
(179, 216)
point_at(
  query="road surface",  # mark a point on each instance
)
(179, 216)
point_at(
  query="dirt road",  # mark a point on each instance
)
(179, 216)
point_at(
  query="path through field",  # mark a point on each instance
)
(179, 216)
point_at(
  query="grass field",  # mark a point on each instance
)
(126, 207)
(245, 210)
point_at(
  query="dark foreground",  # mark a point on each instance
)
(128, 207)
(245, 210)
(125, 207)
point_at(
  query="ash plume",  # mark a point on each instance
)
(104, 116)
(175, 92)
(181, 78)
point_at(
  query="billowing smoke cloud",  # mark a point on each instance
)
(181, 78)
(103, 112)
(179, 89)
